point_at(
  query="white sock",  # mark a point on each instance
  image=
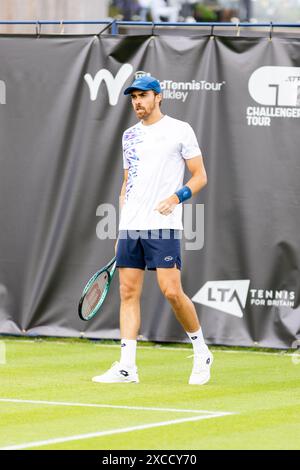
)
(198, 342)
(128, 353)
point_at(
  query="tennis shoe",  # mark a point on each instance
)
(118, 374)
(201, 369)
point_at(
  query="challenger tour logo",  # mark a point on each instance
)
(276, 90)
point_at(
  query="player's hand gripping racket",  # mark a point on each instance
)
(95, 291)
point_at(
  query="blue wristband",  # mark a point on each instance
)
(184, 193)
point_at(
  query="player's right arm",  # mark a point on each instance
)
(122, 199)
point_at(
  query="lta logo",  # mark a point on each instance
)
(227, 296)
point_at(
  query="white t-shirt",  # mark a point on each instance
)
(154, 156)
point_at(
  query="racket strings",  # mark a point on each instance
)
(96, 291)
(94, 294)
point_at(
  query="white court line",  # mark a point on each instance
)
(158, 348)
(211, 348)
(99, 405)
(28, 445)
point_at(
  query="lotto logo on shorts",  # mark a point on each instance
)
(168, 258)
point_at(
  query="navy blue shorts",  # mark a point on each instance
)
(151, 248)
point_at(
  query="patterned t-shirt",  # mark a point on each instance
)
(154, 156)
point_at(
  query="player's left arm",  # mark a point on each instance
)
(196, 182)
(198, 174)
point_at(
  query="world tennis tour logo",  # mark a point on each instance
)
(227, 296)
(180, 91)
(277, 91)
(171, 90)
(114, 85)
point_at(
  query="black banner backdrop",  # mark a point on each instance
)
(62, 115)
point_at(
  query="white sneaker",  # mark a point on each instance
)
(201, 370)
(117, 374)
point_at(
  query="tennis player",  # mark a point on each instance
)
(155, 152)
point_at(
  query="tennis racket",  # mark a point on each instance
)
(95, 291)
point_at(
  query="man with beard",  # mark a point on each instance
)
(155, 153)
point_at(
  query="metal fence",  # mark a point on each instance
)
(116, 27)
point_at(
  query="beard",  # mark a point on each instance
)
(144, 113)
(141, 113)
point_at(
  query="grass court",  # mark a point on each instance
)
(47, 399)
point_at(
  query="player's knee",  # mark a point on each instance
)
(172, 293)
(128, 292)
